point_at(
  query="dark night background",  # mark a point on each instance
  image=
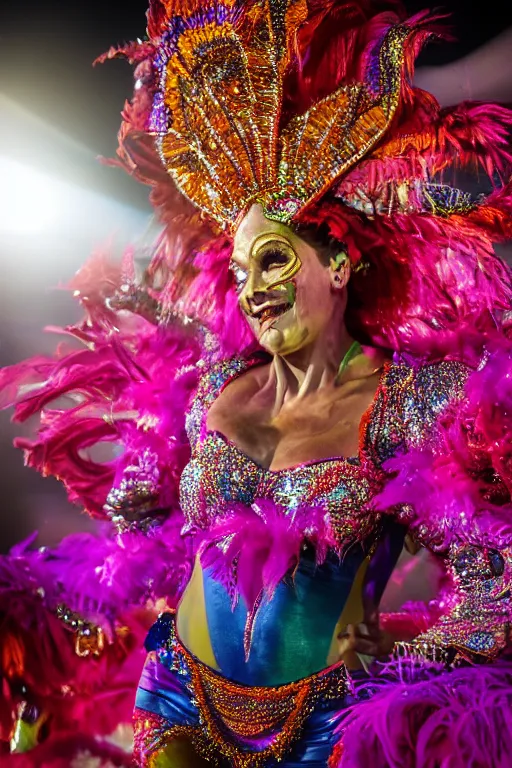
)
(57, 113)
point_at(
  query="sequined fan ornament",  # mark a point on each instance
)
(217, 112)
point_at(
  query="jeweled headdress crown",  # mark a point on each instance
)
(218, 109)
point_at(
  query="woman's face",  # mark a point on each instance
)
(283, 288)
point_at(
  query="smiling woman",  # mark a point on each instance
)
(265, 497)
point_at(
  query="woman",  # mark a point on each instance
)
(359, 409)
(302, 432)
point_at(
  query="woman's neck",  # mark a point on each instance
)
(317, 365)
(312, 367)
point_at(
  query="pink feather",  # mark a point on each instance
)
(264, 541)
(422, 719)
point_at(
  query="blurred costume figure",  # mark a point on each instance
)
(314, 366)
(482, 75)
(67, 684)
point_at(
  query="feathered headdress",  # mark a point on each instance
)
(218, 104)
(218, 108)
(282, 101)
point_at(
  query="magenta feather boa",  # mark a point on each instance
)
(263, 541)
(428, 719)
(100, 577)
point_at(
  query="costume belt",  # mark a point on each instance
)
(246, 724)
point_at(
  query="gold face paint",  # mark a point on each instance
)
(277, 251)
(272, 265)
(283, 288)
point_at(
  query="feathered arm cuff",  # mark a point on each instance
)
(453, 490)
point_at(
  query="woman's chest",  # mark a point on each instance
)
(315, 472)
(220, 477)
(315, 429)
(317, 468)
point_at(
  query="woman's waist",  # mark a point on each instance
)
(170, 650)
(283, 637)
(262, 720)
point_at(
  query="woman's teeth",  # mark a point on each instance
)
(273, 311)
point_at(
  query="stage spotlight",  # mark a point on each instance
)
(30, 200)
(34, 202)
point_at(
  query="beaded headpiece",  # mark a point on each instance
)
(217, 111)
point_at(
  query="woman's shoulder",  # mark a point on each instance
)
(229, 377)
(438, 381)
(429, 392)
(413, 398)
(229, 380)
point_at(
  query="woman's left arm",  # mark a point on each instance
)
(476, 625)
(454, 486)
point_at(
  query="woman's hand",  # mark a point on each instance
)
(364, 640)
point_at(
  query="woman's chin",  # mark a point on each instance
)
(282, 342)
(273, 340)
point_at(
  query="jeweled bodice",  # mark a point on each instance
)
(221, 474)
(405, 408)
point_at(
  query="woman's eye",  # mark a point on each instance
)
(273, 258)
(240, 277)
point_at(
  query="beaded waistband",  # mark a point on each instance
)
(246, 724)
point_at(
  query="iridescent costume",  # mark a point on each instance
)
(306, 110)
(273, 650)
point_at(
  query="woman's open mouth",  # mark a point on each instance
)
(268, 314)
(272, 311)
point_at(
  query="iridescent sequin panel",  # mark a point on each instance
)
(246, 726)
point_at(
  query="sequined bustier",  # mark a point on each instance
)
(405, 408)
